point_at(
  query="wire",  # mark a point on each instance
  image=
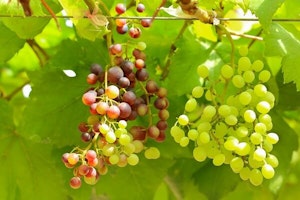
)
(156, 18)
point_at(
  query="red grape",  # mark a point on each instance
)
(153, 131)
(89, 97)
(142, 74)
(120, 8)
(146, 23)
(134, 32)
(129, 97)
(139, 64)
(140, 7)
(75, 182)
(102, 107)
(113, 112)
(125, 110)
(114, 74)
(151, 87)
(96, 69)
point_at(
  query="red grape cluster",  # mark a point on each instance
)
(123, 25)
(120, 93)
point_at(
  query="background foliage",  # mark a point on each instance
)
(36, 130)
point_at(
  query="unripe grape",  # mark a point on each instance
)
(263, 107)
(193, 134)
(249, 76)
(257, 65)
(203, 138)
(199, 154)
(242, 131)
(244, 64)
(267, 171)
(245, 98)
(272, 138)
(256, 178)
(231, 143)
(114, 159)
(110, 137)
(243, 149)
(203, 126)
(260, 90)
(183, 120)
(224, 110)
(231, 120)
(260, 128)
(259, 154)
(272, 160)
(249, 116)
(184, 141)
(141, 46)
(133, 159)
(264, 76)
(237, 164)
(227, 71)
(190, 105)
(256, 138)
(238, 81)
(203, 71)
(197, 92)
(219, 159)
(152, 153)
(124, 139)
(245, 173)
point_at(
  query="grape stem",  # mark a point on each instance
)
(148, 104)
(163, 2)
(51, 12)
(228, 35)
(246, 36)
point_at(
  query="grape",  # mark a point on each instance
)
(89, 97)
(245, 173)
(133, 159)
(238, 81)
(138, 54)
(248, 76)
(184, 141)
(272, 160)
(146, 23)
(268, 147)
(256, 138)
(86, 137)
(237, 164)
(138, 133)
(93, 162)
(198, 92)
(224, 110)
(259, 154)
(120, 22)
(115, 49)
(102, 107)
(142, 74)
(139, 63)
(263, 107)
(120, 8)
(96, 69)
(267, 171)
(193, 134)
(127, 66)
(113, 112)
(134, 32)
(151, 87)
(260, 90)
(264, 76)
(231, 143)
(243, 51)
(83, 170)
(256, 178)
(108, 149)
(257, 65)
(152, 153)
(163, 114)
(161, 103)
(153, 131)
(243, 149)
(249, 116)
(219, 159)
(242, 131)
(124, 82)
(73, 158)
(65, 157)
(199, 154)
(122, 29)
(245, 98)
(90, 155)
(244, 64)
(142, 109)
(190, 105)
(203, 138)
(162, 125)
(209, 111)
(75, 182)
(104, 128)
(114, 159)
(125, 110)
(231, 120)
(141, 46)
(177, 132)
(92, 79)
(227, 71)
(112, 91)
(272, 138)
(162, 92)
(129, 97)
(140, 7)
(203, 126)
(183, 120)
(110, 137)
(202, 71)
(82, 127)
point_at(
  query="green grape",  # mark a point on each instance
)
(203, 71)
(203, 138)
(209, 111)
(122, 124)
(260, 90)
(260, 128)
(139, 146)
(268, 147)
(133, 159)
(124, 139)
(243, 149)
(203, 126)
(193, 134)
(129, 148)
(272, 138)
(243, 50)
(270, 98)
(184, 141)
(237, 164)
(224, 110)
(104, 128)
(264, 76)
(267, 171)
(254, 163)
(221, 130)
(197, 92)
(108, 149)
(231, 120)
(245, 173)
(141, 46)
(152, 153)
(191, 105)
(245, 98)
(256, 178)
(242, 131)
(219, 159)
(244, 63)
(249, 116)
(256, 138)
(231, 143)
(272, 160)
(227, 71)
(238, 81)
(110, 137)
(263, 107)
(177, 132)
(199, 154)
(183, 120)
(114, 159)
(259, 154)
(209, 95)
(257, 65)
(211, 149)
(249, 76)
(265, 118)
(234, 111)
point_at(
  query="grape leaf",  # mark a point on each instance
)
(280, 42)
(264, 10)
(9, 40)
(55, 107)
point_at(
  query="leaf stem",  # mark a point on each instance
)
(18, 89)
(173, 187)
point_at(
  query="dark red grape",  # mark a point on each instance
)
(138, 133)
(127, 66)
(125, 110)
(142, 74)
(96, 69)
(140, 7)
(129, 97)
(134, 32)
(114, 74)
(151, 87)
(120, 8)
(124, 82)
(161, 103)
(146, 23)
(86, 137)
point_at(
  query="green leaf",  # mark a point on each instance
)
(264, 10)
(55, 108)
(279, 42)
(9, 40)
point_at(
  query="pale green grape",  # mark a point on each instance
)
(209, 111)
(245, 98)
(260, 128)
(231, 120)
(238, 81)
(264, 76)
(199, 154)
(108, 149)
(242, 131)
(227, 71)
(231, 143)
(249, 116)
(256, 178)
(234, 111)
(237, 164)
(244, 63)
(260, 90)
(122, 124)
(152, 153)
(184, 141)
(104, 128)
(141, 46)
(133, 159)
(245, 173)
(256, 138)
(257, 65)
(254, 163)
(203, 71)
(268, 147)
(259, 154)
(272, 138)
(219, 159)
(243, 149)
(129, 148)
(270, 98)
(224, 110)
(177, 132)
(124, 139)
(193, 134)
(139, 146)
(114, 159)
(203, 126)
(243, 50)
(263, 107)
(209, 95)
(183, 120)
(197, 92)
(249, 76)
(265, 118)
(203, 138)
(267, 171)
(272, 160)
(190, 105)
(110, 137)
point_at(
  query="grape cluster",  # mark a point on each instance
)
(131, 26)
(228, 120)
(119, 93)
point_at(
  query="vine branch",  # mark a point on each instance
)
(39, 51)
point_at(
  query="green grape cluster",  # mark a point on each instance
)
(228, 120)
